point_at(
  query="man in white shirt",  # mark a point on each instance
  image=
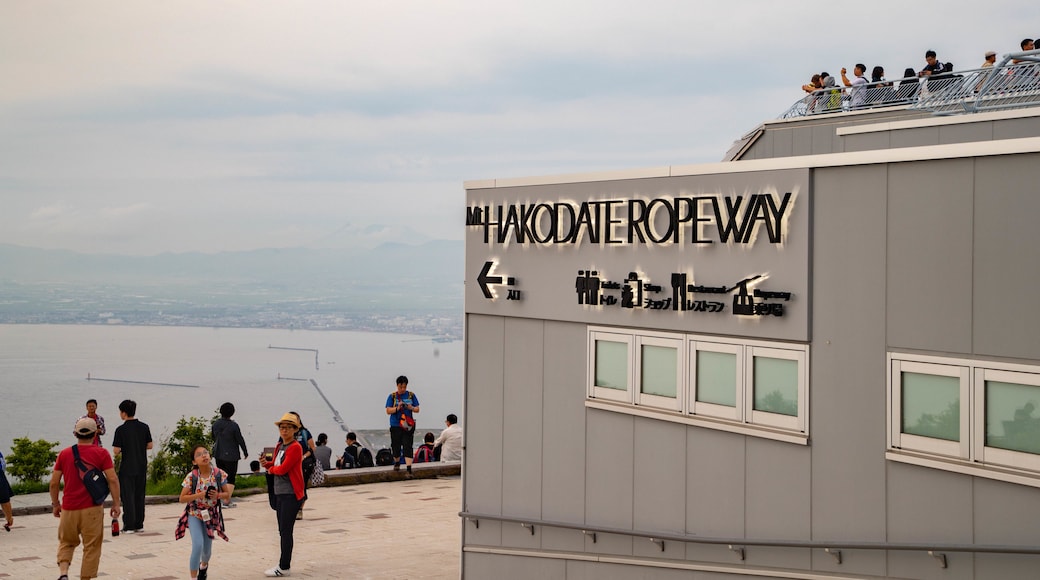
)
(858, 84)
(450, 440)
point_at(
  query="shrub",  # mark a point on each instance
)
(30, 461)
(172, 457)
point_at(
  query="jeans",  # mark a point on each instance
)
(201, 544)
(286, 507)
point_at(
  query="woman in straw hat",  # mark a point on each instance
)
(285, 467)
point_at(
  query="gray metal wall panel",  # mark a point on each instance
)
(782, 142)
(847, 369)
(930, 255)
(918, 137)
(778, 486)
(715, 472)
(498, 566)
(522, 420)
(1006, 243)
(488, 533)
(1006, 514)
(764, 146)
(965, 133)
(560, 540)
(801, 141)
(867, 141)
(1006, 567)
(860, 562)
(1016, 128)
(823, 139)
(484, 384)
(660, 476)
(779, 478)
(563, 423)
(921, 566)
(608, 465)
(928, 505)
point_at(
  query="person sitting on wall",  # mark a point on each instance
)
(349, 459)
(424, 454)
(449, 441)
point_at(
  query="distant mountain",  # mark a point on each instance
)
(437, 264)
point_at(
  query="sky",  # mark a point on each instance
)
(147, 127)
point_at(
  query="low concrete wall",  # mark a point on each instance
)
(333, 478)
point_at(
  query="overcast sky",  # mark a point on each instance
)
(139, 127)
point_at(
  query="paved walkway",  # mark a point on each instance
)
(406, 529)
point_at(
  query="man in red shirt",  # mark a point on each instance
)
(80, 518)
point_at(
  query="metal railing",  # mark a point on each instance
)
(1006, 85)
(936, 550)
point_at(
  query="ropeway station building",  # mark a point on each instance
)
(819, 358)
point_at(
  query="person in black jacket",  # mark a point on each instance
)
(227, 439)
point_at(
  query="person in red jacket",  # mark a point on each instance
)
(286, 467)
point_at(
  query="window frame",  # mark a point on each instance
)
(995, 455)
(696, 407)
(607, 393)
(651, 400)
(684, 408)
(795, 423)
(971, 456)
(901, 440)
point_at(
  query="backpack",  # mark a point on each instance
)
(364, 458)
(93, 479)
(424, 454)
(384, 457)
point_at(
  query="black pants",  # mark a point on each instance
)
(228, 467)
(286, 506)
(131, 493)
(401, 440)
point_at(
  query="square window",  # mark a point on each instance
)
(658, 374)
(776, 386)
(659, 368)
(931, 406)
(717, 378)
(611, 365)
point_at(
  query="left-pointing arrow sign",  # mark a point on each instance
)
(483, 279)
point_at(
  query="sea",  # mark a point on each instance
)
(336, 380)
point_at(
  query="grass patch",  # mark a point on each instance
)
(23, 487)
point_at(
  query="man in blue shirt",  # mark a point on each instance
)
(401, 405)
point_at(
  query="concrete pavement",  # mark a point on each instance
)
(400, 529)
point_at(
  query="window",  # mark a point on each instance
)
(974, 417)
(609, 365)
(752, 387)
(659, 372)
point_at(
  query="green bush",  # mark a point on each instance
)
(30, 461)
(172, 457)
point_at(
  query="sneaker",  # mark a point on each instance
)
(276, 572)
(230, 505)
(299, 515)
(397, 467)
(129, 531)
(203, 572)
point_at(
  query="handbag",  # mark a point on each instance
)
(318, 476)
(407, 422)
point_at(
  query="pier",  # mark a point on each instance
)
(90, 378)
(314, 350)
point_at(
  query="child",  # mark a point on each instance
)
(424, 454)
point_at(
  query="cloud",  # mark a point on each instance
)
(144, 127)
